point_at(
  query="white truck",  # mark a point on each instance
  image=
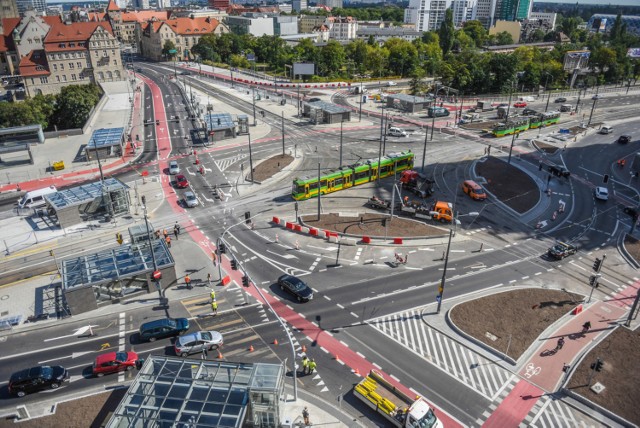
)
(395, 406)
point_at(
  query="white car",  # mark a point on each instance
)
(392, 84)
(602, 193)
(174, 168)
(190, 199)
(196, 342)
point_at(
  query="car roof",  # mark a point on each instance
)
(109, 356)
(173, 162)
(157, 323)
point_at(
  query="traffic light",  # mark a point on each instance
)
(222, 248)
(605, 178)
(234, 264)
(245, 280)
(596, 265)
(599, 364)
(247, 217)
(593, 281)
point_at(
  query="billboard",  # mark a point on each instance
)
(576, 59)
(633, 52)
(304, 69)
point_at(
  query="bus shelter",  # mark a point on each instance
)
(408, 103)
(219, 126)
(323, 112)
(105, 143)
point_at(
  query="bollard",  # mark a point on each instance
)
(397, 241)
(275, 220)
(366, 240)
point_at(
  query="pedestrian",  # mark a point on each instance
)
(176, 228)
(560, 343)
(165, 233)
(305, 416)
(305, 364)
(586, 326)
(209, 283)
(312, 366)
(167, 239)
(213, 296)
(187, 280)
(214, 307)
(175, 232)
(158, 234)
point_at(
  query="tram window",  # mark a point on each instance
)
(337, 182)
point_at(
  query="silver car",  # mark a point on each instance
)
(174, 168)
(196, 342)
(190, 199)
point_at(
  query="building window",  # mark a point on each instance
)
(61, 67)
(73, 77)
(55, 67)
(104, 53)
(58, 79)
(44, 80)
(79, 64)
(64, 77)
(39, 68)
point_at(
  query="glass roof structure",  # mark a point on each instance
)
(83, 194)
(219, 121)
(177, 392)
(410, 98)
(117, 263)
(329, 107)
(106, 137)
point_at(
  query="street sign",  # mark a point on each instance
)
(172, 51)
(157, 275)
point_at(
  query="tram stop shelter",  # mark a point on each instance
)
(182, 392)
(16, 142)
(408, 103)
(105, 143)
(219, 126)
(106, 198)
(324, 112)
(113, 274)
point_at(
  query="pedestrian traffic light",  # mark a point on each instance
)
(596, 265)
(245, 280)
(593, 280)
(222, 248)
(234, 264)
(599, 364)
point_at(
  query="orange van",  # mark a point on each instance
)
(474, 190)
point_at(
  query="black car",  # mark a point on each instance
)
(296, 287)
(624, 139)
(313, 100)
(562, 250)
(36, 379)
(559, 171)
(529, 112)
(165, 327)
(560, 100)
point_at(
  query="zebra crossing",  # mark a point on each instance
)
(549, 411)
(223, 164)
(470, 368)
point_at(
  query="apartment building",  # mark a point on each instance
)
(306, 23)
(464, 10)
(426, 15)
(342, 28)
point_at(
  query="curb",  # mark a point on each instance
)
(622, 249)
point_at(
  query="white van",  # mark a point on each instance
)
(606, 129)
(397, 132)
(35, 198)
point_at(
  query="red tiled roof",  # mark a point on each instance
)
(6, 41)
(188, 26)
(52, 20)
(96, 16)
(145, 15)
(78, 31)
(29, 64)
(112, 6)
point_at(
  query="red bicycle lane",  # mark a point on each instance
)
(314, 333)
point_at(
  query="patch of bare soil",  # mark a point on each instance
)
(620, 375)
(270, 167)
(509, 184)
(633, 247)
(91, 411)
(524, 315)
(370, 224)
(545, 148)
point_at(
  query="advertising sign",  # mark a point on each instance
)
(304, 69)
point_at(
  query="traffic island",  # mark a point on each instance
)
(269, 167)
(509, 184)
(524, 315)
(614, 386)
(372, 225)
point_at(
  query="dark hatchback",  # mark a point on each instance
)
(295, 286)
(562, 250)
(624, 139)
(166, 327)
(37, 379)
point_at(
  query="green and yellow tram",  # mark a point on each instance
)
(517, 124)
(544, 119)
(353, 175)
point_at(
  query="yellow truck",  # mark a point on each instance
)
(395, 406)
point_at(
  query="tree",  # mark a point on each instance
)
(430, 37)
(504, 38)
(618, 30)
(416, 84)
(476, 31)
(463, 41)
(536, 36)
(357, 52)
(169, 49)
(74, 103)
(332, 58)
(377, 59)
(403, 56)
(446, 32)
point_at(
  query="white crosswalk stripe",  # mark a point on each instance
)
(223, 164)
(551, 412)
(468, 367)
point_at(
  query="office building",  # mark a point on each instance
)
(37, 5)
(464, 10)
(426, 15)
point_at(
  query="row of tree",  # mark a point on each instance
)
(452, 55)
(67, 110)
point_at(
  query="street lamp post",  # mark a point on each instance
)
(593, 107)
(253, 88)
(440, 295)
(340, 164)
(513, 140)
(153, 254)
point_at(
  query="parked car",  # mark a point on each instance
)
(190, 199)
(529, 112)
(37, 379)
(392, 83)
(195, 342)
(520, 104)
(181, 181)
(165, 327)
(562, 250)
(605, 129)
(313, 100)
(601, 193)
(295, 286)
(505, 105)
(114, 362)
(624, 139)
(560, 100)
(397, 132)
(174, 168)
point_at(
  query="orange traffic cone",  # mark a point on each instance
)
(337, 357)
(304, 348)
(275, 342)
(250, 348)
(220, 357)
(356, 372)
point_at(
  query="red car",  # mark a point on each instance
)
(113, 362)
(181, 181)
(520, 104)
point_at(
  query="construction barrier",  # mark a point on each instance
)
(327, 234)
(313, 231)
(577, 310)
(226, 280)
(288, 225)
(366, 240)
(349, 241)
(334, 239)
(397, 241)
(275, 220)
(297, 228)
(304, 229)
